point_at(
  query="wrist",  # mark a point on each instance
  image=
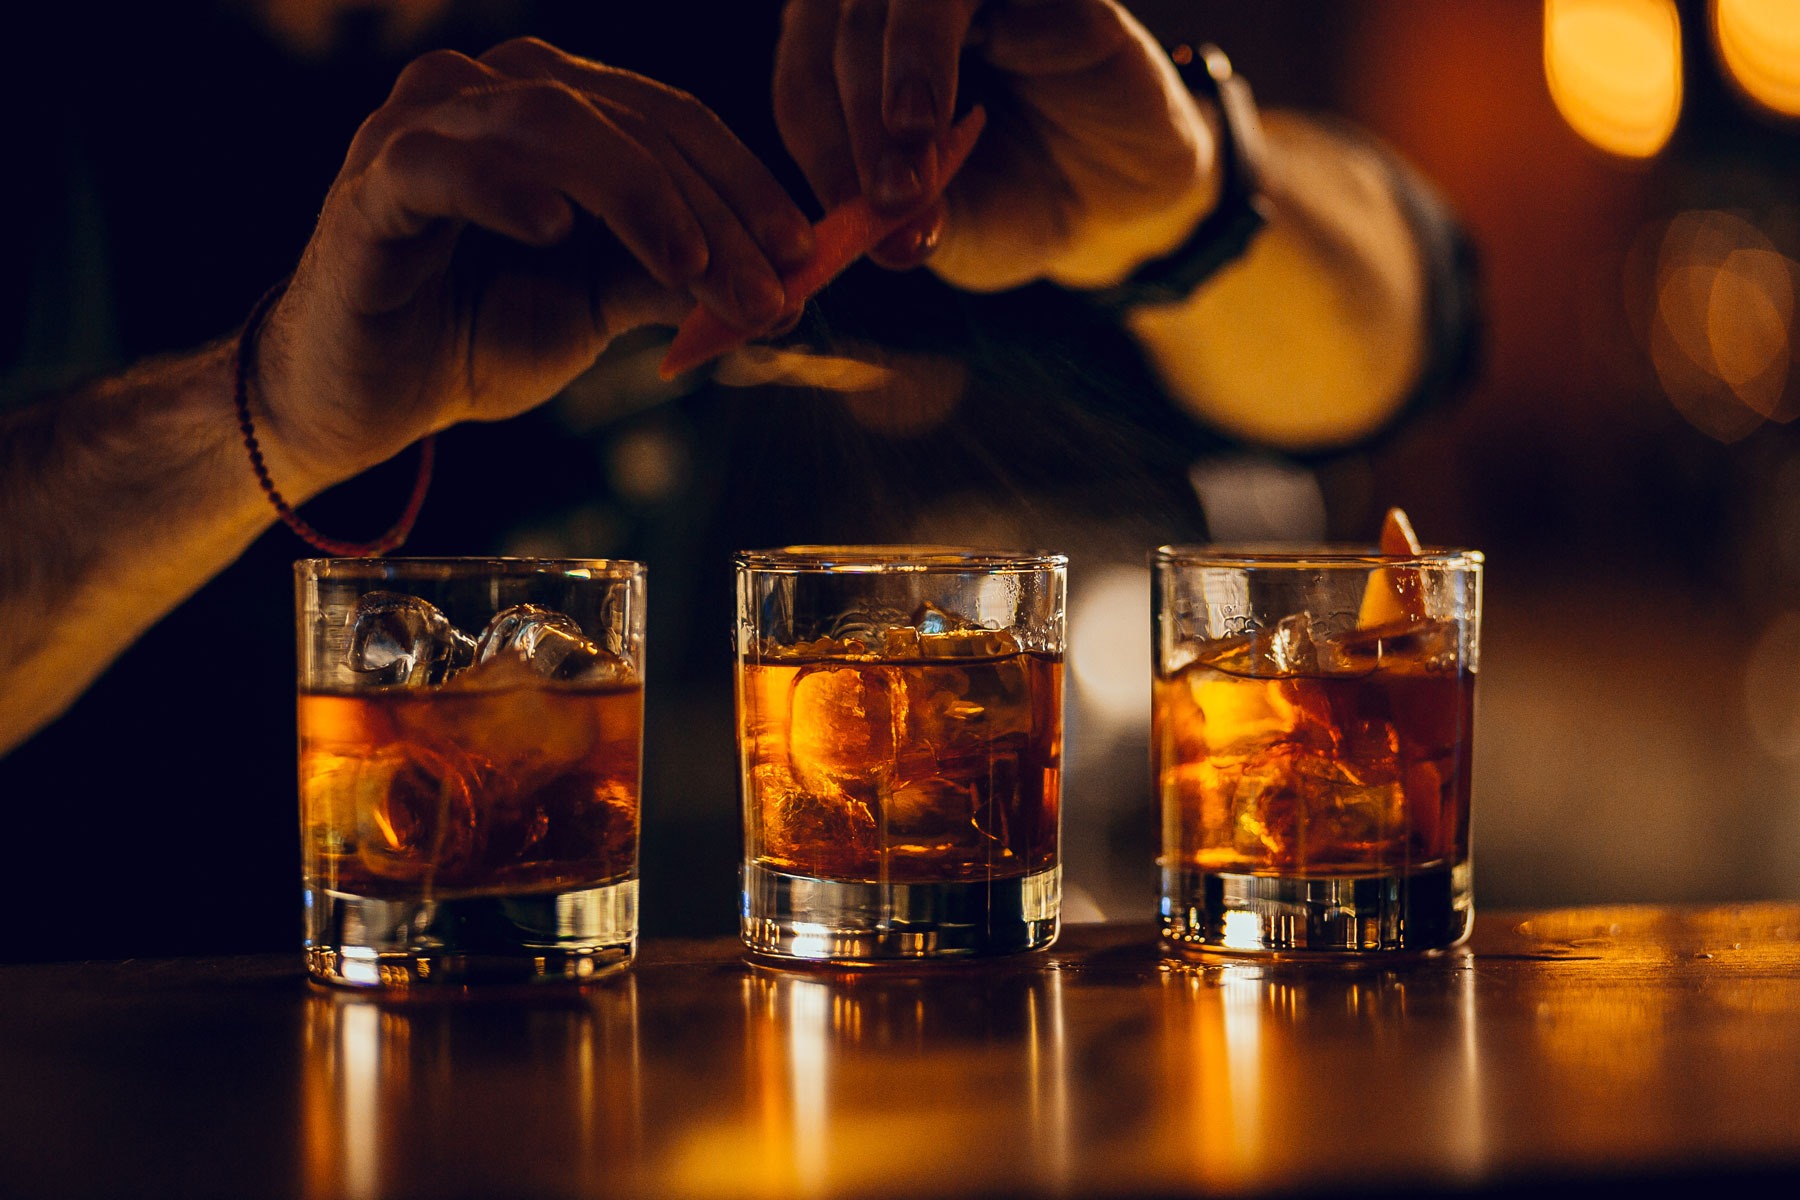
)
(305, 474)
(1238, 210)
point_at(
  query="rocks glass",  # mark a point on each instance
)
(900, 734)
(1312, 729)
(470, 740)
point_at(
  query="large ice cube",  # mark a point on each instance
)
(1288, 647)
(956, 718)
(1239, 716)
(416, 819)
(843, 728)
(830, 835)
(1297, 809)
(403, 640)
(551, 643)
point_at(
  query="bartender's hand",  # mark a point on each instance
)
(1095, 156)
(495, 224)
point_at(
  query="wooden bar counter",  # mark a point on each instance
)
(1564, 1050)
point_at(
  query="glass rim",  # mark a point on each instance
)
(451, 566)
(1310, 556)
(922, 558)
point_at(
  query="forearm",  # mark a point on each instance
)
(116, 503)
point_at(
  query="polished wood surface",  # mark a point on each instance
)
(1565, 1048)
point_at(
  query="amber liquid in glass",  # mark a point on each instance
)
(437, 793)
(1352, 770)
(880, 769)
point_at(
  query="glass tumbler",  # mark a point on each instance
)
(470, 741)
(900, 725)
(1313, 718)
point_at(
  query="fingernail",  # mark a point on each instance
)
(792, 245)
(908, 247)
(912, 109)
(897, 179)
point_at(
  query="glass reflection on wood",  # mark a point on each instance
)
(526, 1095)
(1267, 1070)
(864, 1081)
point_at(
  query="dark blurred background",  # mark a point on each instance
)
(1627, 170)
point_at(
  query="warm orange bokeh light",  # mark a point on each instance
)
(1760, 43)
(1614, 70)
(1720, 335)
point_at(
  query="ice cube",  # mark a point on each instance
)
(957, 713)
(929, 619)
(551, 643)
(416, 819)
(1283, 649)
(832, 836)
(844, 729)
(1298, 809)
(949, 828)
(944, 634)
(401, 639)
(1288, 647)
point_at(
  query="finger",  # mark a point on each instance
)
(921, 49)
(619, 164)
(426, 80)
(425, 176)
(760, 203)
(807, 113)
(740, 283)
(911, 244)
(1059, 38)
(526, 137)
(894, 175)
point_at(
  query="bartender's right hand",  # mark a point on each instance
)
(495, 224)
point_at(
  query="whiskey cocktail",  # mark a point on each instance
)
(469, 800)
(900, 731)
(1313, 719)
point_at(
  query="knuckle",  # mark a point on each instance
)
(519, 51)
(437, 68)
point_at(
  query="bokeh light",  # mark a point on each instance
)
(1720, 331)
(1759, 41)
(1615, 72)
(647, 464)
(1109, 644)
(1252, 498)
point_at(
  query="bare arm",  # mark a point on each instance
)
(495, 224)
(118, 501)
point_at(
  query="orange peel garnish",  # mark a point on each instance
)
(1394, 595)
(842, 236)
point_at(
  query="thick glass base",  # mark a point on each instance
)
(543, 937)
(797, 916)
(1219, 911)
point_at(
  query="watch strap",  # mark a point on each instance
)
(1241, 211)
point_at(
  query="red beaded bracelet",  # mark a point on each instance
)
(246, 366)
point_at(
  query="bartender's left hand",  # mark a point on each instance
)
(1095, 156)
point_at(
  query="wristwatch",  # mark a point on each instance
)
(1225, 232)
